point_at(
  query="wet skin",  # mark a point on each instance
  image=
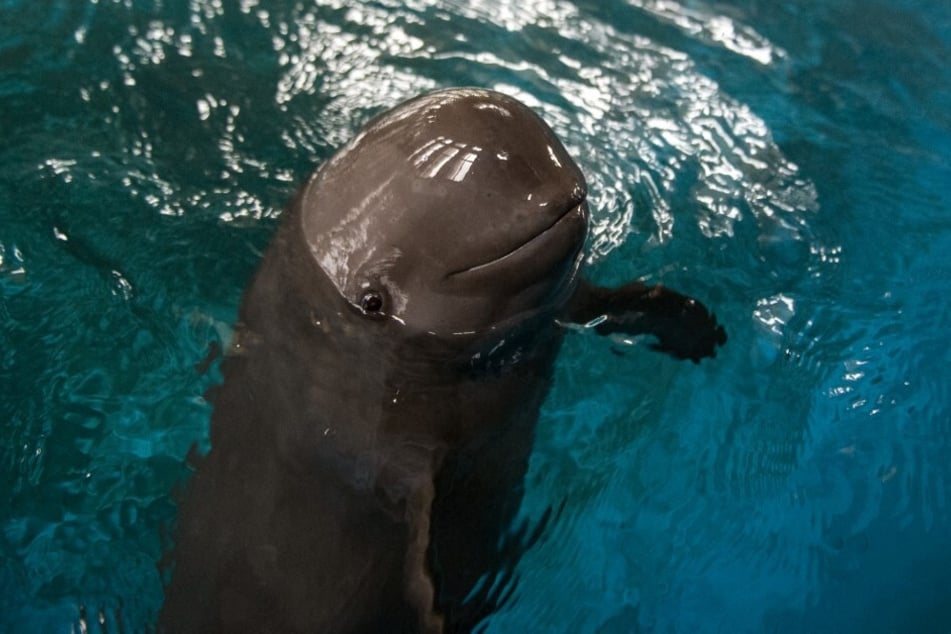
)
(373, 430)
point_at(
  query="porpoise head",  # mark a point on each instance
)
(451, 213)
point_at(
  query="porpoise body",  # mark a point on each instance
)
(371, 436)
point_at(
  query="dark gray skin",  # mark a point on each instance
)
(370, 439)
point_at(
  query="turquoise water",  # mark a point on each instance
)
(786, 162)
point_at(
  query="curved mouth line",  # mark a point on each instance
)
(512, 252)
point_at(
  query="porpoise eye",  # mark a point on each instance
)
(371, 302)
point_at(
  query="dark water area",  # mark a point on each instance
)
(785, 162)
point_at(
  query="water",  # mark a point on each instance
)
(785, 162)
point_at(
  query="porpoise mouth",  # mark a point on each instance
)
(557, 240)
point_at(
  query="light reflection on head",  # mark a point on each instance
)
(436, 207)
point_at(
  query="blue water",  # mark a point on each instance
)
(786, 162)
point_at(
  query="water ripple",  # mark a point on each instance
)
(706, 25)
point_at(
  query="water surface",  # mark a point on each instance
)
(786, 162)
